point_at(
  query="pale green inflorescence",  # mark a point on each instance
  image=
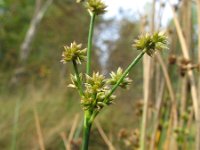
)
(95, 83)
(74, 52)
(151, 43)
(97, 88)
(96, 6)
(96, 91)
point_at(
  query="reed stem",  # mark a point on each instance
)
(89, 48)
(86, 131)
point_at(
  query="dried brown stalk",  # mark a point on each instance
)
(104, 137)
(72, 131)
(186, 26)
(159, 103)
(147, 77)
(64, 138)
(198, 14)
(39, 131)
(171, 94)
(190, 75)
(170, 140)
(169, 86)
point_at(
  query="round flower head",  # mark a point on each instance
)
(151, 43)
(96, 91)
(74, 53)
(96, 6)
(95, 82)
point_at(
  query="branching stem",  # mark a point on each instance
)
(134, 62)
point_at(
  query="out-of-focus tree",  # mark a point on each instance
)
(60, 26)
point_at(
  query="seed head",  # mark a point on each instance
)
(74, 53)
(116, 76)
(151, 43)
(96, 6)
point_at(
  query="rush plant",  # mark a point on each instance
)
(95, 90)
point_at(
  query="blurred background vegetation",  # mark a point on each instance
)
(33, 84)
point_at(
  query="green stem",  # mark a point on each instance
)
(87, 122)
(134, 62)
(78, 78)
(89, 50)
(86, 131)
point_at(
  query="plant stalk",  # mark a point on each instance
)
(89, 49)
(87, 116)
(86, 131)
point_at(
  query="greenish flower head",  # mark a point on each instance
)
(116, 76)
(95, 83)
(95, 93)
(74, 52)
(96, 6)
(95, 100)
(151, 43)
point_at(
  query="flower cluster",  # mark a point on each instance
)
(96, 91)
(96, 6)
(97, 88)
(151, 43)
(74, 52)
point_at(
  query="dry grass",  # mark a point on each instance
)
(55, 112)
